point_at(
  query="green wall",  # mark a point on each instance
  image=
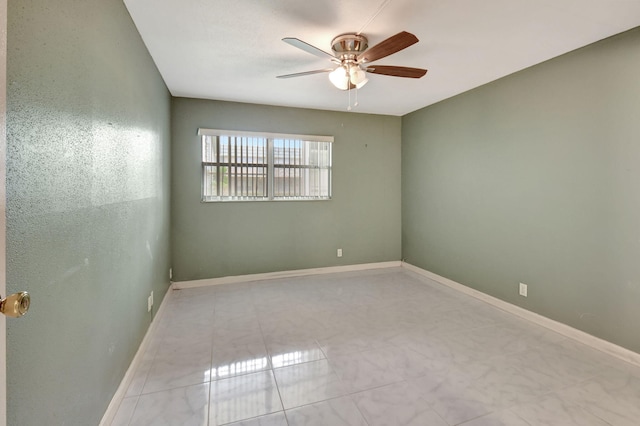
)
(87, 205)
(235, 238)
(535, 178)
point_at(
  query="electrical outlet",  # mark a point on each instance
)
(523, 290)
(339, 252)
(170, 273)
(150, 302)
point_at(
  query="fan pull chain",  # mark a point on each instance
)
(355, 104)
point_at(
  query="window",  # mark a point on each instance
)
(248, 166)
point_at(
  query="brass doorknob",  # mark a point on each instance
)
(15, 305)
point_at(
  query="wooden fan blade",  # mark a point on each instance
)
(295, 42)
(300, 74)
(388, 47)
(396, 71)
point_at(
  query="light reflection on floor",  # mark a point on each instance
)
(374, 347)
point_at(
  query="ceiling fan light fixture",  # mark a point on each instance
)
(362, 83)
(340, 78)
(357, 76)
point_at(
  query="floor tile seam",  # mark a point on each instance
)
(155, 345)
(427, 357)
(634, 372)
(509, 353)
(179, 332)
(457, 333)
(579, 383)
(541, 398)
(183, 358)
(537, 374)
(586, 409)
(253, 418)
(574, 384)
(251, 345)
(403, 380)
(211, 339)
(298, 363)
(146, 374)
(356, 353)
(286, 418)
(248, 418)
(345, 385)
(244, 346)
(307, 404)
(359, 410)
(480, 327)
(333, 370)
(406, 381)
(241, 374)
(435, 336)
(296, 342)
(351, 393)
(207, 382)
(570, 403)
(488, 327)
(333, 398)
(583, 405)
(488, 414)
(414, 376)
(443, 334)
(190, 330)
(209, 402)
(137, 397)
(438, 414)
(520, 417)
(216, 337)
(554, 393)
(275, 379)
(344, 354)
(144, 382)
(272, 370)
(324, 352)
(468, 421)
(494, 408)
(629, 370)
(399, 370)
(544, 387)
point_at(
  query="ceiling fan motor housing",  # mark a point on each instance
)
(349, 44)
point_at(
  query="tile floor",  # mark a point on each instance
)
(379, 347)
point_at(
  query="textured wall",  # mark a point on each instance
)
(535, 178)
(3, 200)
(88, 205)
(222, 239)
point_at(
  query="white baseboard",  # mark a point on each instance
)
(284, 274)
(567, 331)
(112, 409)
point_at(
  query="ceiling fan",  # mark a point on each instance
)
(351, 55)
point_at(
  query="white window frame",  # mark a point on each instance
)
(270, 137)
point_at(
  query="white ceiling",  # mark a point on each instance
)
(232, 50)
